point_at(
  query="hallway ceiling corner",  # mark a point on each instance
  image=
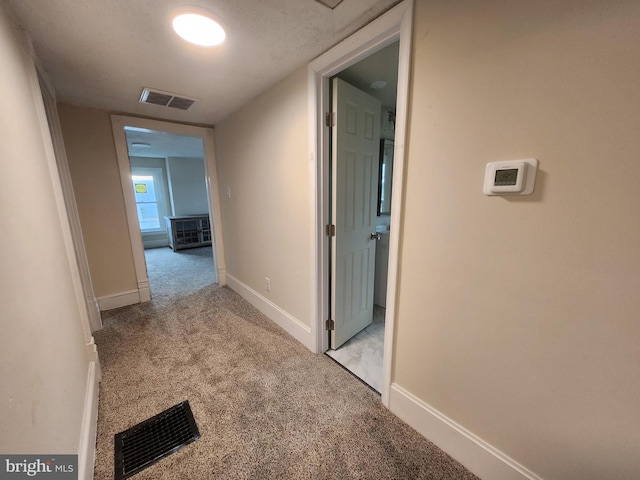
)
(101, 54)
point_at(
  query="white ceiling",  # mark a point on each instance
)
(380, 66)
(101, 53)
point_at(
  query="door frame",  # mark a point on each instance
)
(52, 122)
(394, 25)
(118, 122)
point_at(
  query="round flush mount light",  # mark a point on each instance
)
(141, 145)
(378, 84)
(197, 27)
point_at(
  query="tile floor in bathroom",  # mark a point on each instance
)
(362, 355)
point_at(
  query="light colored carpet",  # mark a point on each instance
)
(173, 274)
(266, 407)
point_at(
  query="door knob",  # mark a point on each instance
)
(375, 236)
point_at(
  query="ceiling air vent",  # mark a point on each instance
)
(166, 99)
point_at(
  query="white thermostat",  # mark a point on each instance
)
(511, 177)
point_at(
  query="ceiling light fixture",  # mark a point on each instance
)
(378, 84)
(197, 27)
(141, 145)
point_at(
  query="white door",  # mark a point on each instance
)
(355, 158)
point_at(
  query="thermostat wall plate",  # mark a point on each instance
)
(511, 177)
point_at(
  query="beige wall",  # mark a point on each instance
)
(519, 318)
(94, 170)
(262, 153)
(43, 364)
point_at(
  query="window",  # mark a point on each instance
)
(147, 187)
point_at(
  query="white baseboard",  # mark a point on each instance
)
(288, 323)
(119, 300)
(482, 459)
(87, 448)
(155, 243)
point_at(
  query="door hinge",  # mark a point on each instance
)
(331, 230)
(330, 325)
(330, 119)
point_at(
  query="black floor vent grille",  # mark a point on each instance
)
(155, 438)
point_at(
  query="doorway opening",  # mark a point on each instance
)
(170, 187)
(172, 205)
(393, 26)
(360, 207)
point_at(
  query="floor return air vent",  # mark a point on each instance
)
(147, 442)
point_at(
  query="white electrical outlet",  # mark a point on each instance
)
(267, 282)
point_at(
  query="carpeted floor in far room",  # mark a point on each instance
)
(173, 274)
(266, 407)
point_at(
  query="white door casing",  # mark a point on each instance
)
(51, 111)
(118, 122)
(395, 24)
(355, 159)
